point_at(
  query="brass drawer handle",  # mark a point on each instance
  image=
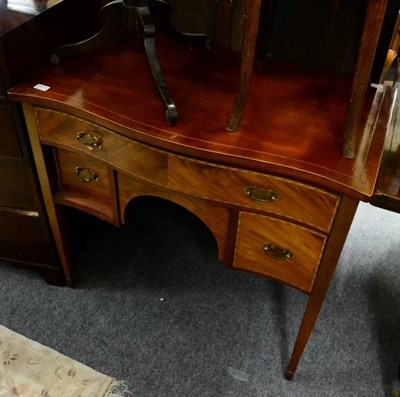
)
(276, 252)
(86, 175)
(90, 140)
(260, 195)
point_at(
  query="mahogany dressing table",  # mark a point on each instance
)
(277, 194)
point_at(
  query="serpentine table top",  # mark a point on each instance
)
(292, 126)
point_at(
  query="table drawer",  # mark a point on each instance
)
(254, 190)
(124, 154)
(85, 183)
(26, 239)
(280, 250)
(9, 145)
(17, 189)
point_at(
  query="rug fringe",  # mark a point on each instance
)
(117, 388)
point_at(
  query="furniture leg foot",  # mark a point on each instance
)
(343, 220)
(289, 375)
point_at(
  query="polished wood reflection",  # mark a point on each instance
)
(293, 124)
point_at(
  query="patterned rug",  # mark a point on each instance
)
(29, 369)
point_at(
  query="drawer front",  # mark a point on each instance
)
(84, 183)
(8, 136)
(17, 187)
(232, 186)
(124, 154)
(279, 250)
(26, 240)
(253, 190)
(3, 91)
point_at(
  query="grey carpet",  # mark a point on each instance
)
(152, 305)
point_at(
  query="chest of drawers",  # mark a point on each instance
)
(28, 30)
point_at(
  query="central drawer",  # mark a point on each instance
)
(279, 250)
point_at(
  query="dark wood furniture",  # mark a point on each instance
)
(278, 195)
(28, 30)
(280, 207)
(372, 25)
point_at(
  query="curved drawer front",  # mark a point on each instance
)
(124, 154)
(277, 249)
(254, 190)
(84, 183)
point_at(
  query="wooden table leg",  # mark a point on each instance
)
(53, 216)
(250, 30)
(372, 27)
(336, 240)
